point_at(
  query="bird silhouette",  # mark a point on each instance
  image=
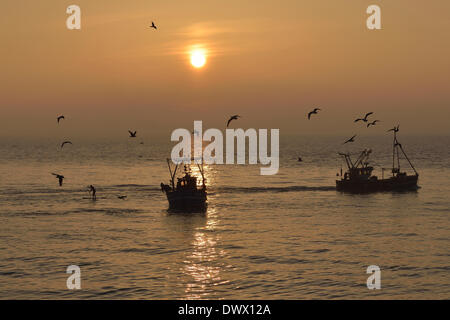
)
(313, 112)
(122, 197)
(59, 118)
(352, 139)
(153, 26)
(300, 159)
(59, 177)
(364, 118)
(235, 117)
(372, 123)
(94, 192)
(64, 143)
(395, 129)
(132, 134)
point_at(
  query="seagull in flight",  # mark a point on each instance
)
(153, 26)
(313, 112)
(59, 177)
(364, 118)
(395, 129)
(235, 117)
(59, 118)
(65, 142)
(372, 123)
(132, 134)
(352, 139)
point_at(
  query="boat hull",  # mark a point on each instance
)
(195, 201)
(398, 183)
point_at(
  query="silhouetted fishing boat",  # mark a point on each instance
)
(359, 179)
(185, 195)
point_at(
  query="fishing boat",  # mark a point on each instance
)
(359, 179)
(186, 195)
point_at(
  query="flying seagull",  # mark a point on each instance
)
(372, 123)
(59, 177)
(352, 139)
(65, 142)
(153, 26)
(132, 134)
(395, 129)
(59, 118)
(313, 112)
(235, 117)
(365, 117)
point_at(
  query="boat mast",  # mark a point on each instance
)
(172, 175)
(396, 146)
(347, 160)
(393, 153)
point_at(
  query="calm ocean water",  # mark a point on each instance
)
(287, 236)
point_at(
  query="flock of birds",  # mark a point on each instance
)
(364, 119)
(133, 134)
(92, 190)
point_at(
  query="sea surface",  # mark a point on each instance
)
(286, 236)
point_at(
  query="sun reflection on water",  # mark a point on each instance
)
(202, 264)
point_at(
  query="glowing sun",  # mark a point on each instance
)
(198, 58)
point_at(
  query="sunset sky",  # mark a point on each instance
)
(269, 61)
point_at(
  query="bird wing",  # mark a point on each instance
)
(309, 114)
(368, 114)
(228, 123)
